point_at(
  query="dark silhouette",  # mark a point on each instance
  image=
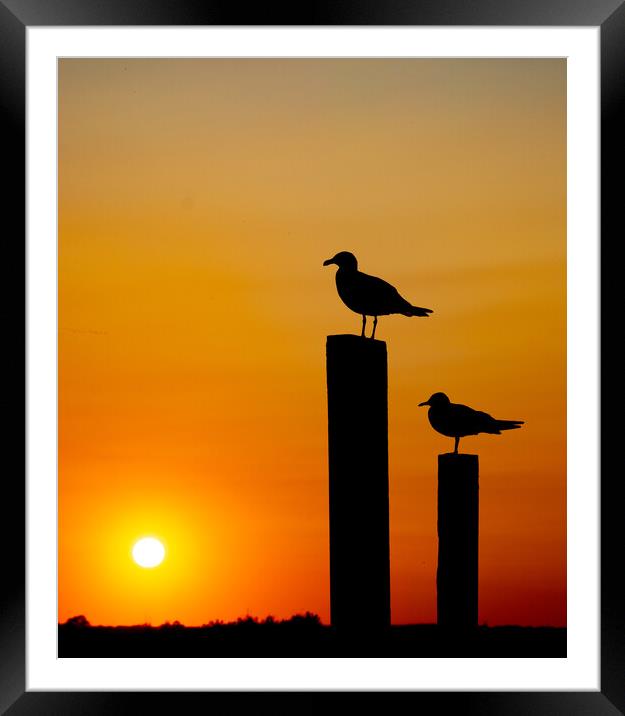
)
(358, 465)
(304, 636)
(369, 295)
(457, 421)
(458, 527)
(78, 622)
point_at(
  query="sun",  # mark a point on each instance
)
(148, 552)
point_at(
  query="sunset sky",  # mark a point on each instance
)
(197, 202)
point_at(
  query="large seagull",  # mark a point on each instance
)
(369, 295)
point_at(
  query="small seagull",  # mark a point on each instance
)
(457, 421)
(369, 295)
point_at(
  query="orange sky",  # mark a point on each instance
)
(197, 202)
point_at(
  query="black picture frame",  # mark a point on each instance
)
(15, 17)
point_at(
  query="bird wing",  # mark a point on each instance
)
(509, 424)
(468, 421)
(377, 296)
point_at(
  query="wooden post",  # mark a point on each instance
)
(458, 513)
(358, 463)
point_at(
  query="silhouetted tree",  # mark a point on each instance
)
(80, 621)
(308, 619)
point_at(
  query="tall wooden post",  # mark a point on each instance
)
(358, 462)
(458, 514)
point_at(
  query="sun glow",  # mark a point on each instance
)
(148, 552)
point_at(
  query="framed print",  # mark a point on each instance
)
(194, 188)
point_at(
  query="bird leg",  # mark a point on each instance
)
(375, 323)
(364, 323)
(456, 446)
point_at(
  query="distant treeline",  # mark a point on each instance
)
(303, 635)
(299, 620)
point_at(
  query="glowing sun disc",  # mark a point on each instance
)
(148, 552)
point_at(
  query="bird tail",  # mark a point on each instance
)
(416, 311)
(509, 424)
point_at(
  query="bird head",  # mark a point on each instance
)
(436, 400)
(344, 260)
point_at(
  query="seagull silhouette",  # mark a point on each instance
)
(457, 421)
(368, 295)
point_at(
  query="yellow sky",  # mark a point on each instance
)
(197, 202)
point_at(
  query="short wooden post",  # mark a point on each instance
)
(458, 516)
(358, 466)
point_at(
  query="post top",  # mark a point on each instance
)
(353, 341)
(458, 457)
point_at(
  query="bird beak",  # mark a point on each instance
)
(328, 262)
(427, 402)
